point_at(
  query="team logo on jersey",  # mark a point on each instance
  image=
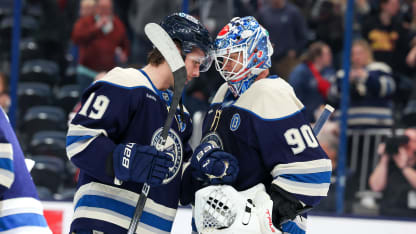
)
(235, 122)
(214, 139)
(173, 147)
(165, 96)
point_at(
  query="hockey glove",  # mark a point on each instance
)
(285, 206)
(141, 164)
(213, 165)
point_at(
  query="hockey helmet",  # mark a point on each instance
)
(190, 33)
(246, 43)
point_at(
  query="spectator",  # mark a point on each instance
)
(101, 39)
(288, 33)
(4, 94)
(388, 39)
(310, 78)
(87, 8)
(371, 89)
(395, 177)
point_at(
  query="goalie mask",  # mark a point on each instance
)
(190, 33)
(242, 51)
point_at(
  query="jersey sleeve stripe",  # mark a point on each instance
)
(315, 178)
(6, 178)
(116, 206)
(79, 138)
(73, 139)
(6, 164)
(22, 214)
(18, 220)
(294, 227)
(6, 150)
(20, 205)
(307, 189)
(314, 166)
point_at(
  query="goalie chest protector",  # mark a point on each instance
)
(256, 129)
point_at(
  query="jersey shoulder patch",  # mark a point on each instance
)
(270, 99)
(128, 78)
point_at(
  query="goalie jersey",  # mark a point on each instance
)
(123, 107)
(20, 208)
(265, 128)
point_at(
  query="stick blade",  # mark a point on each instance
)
(162, 41)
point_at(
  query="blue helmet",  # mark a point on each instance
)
(246, 43)
(190, 33)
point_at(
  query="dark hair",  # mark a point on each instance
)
(155, 58)
(313, 52)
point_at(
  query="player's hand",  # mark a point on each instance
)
(213, 165)
(141, 164)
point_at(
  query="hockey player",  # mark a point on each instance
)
(258, 120)
(112, 137)
(20, 208)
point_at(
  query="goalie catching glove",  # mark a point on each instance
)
(213, 165)
(141, 164)
(221, 209)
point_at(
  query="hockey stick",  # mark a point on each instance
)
(322, 119)
(162, 41)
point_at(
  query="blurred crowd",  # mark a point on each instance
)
(67, 44)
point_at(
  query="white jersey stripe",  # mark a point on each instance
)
(302, 188)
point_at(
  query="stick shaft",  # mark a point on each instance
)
(322, 119)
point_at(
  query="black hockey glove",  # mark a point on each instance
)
(141, 164)
(285, 206)
(213, 165)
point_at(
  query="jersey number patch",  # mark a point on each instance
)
(298, 143)
(98, 108)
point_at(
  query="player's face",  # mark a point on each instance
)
(234, 63)
(193, 62)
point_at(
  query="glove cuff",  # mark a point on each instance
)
(123, 160)
(285, 205)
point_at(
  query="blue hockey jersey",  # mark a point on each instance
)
(371, 97)
(265, 128)
(20, 208)
(123, 107)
